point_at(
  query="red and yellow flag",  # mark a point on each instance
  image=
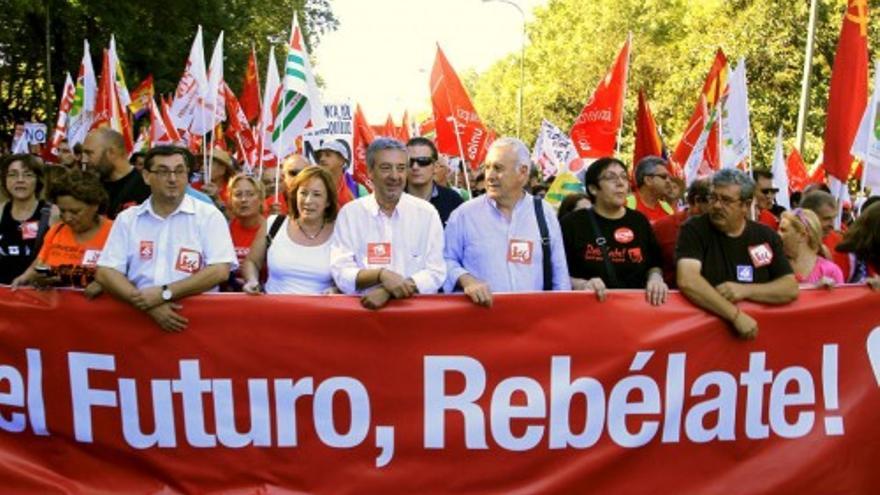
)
(848, 91)
(713, 89)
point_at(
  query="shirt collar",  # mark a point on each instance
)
(373, 206)
(494, 204)
(187, 206)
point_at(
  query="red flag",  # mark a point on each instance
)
(647, 139)
(713, 88)
(848, 91)
(453, 111)
(818, 175)
(239, 129)
(797, 171)
(68, 94)
(363, 136)
(594, 133)
(250, 93)
(109, 112)
(162, 131)
(403, 131)
(427, 126)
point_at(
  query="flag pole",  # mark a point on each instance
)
(805, 82)
(467, 180)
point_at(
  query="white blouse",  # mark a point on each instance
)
(294, 268)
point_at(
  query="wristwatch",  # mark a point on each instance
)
(166, 293)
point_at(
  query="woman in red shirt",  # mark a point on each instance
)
(246, 213)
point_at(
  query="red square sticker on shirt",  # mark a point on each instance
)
(762, 255)
(188, 261)
(90, 258)
(146, 250)
(519, 251)
(379, 253)
(29, 230)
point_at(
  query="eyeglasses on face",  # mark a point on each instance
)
(725, 201)
(769, 190)
(614, 177)
(422, 161)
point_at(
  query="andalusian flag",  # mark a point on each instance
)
(565, 183)
(297, 104)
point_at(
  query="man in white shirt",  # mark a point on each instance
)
(388, 244)
(169, 247)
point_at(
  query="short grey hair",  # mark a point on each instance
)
(382, 144)
(522, 152)
(814, 200)
(734, 177)
(646, 167)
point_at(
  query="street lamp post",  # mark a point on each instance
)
(522, 69)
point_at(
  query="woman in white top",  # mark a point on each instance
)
(297, 256)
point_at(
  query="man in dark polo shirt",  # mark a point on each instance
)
(104, 152)
(420, 178)
(723, 257)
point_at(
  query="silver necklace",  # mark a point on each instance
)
(310, 237)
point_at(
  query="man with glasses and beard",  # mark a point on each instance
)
(723, 257)
(420, 178)
(170, 247)
(652, 187)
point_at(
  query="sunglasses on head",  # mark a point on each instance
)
(422, 161)
(770, 190)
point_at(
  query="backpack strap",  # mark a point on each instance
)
(545, 244)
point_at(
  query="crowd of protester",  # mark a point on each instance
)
(155, 227)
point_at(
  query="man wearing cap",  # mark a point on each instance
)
(333, 155)
(169, 247)
(388, 244)
(420, 178)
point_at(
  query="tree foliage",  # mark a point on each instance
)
(151, 37)
(572, 43)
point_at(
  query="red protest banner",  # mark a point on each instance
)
(544, 393)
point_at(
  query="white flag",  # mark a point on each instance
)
(121, 88)
(780, 174)
(866, 146)
(735, 128)
(193, 84)
(83, 110)
(696, 162)
(213, 105)
(267, 110)
(553, 150)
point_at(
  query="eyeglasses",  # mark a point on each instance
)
(725, 201)
(614, 177)
(22, 176)
(770, 190)
(164, 173)
(422, 161)
(292, 172)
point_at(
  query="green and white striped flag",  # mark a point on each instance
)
(298, 106)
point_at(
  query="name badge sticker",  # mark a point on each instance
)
(745, 273)
(379, 253)
(762, 255)
(519, 251)
(188, 261)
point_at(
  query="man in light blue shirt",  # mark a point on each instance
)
(493, 242)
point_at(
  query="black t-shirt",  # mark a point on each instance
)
(445, 201)
(632, 248)
(128, 191)
(18, 242)
(755, 256)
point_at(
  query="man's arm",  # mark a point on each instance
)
(116, 284)
(783, 290)
(201, 281)
(430, 278)
(698, 290)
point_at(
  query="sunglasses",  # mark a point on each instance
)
(771, 190)
(422, 161)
